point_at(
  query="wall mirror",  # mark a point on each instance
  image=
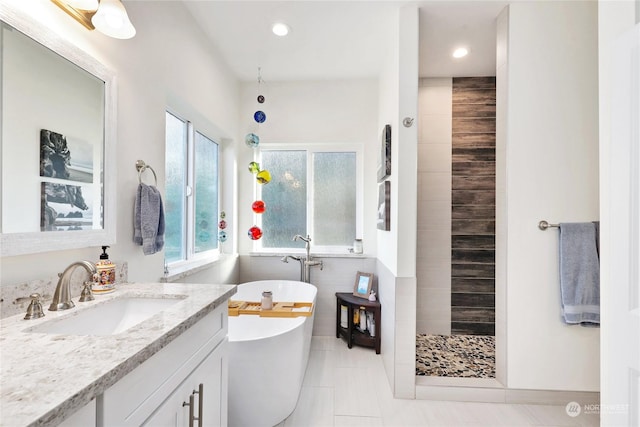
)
(56, 147)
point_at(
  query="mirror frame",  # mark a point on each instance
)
(12, 244)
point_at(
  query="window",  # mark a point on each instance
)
(312, 191)
(191, 202)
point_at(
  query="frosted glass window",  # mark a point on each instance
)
(334, 199)
(285, 197)
(175, 185)
(206, 194)
(312, 191)
(191, 193)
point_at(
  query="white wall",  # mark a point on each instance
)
(322, 112)
(434, 207)
(614, 18)
(551, 160)
(397, 247)
(169, 63)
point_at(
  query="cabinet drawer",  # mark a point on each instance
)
(132, 399)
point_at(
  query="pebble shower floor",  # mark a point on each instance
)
(466, 356)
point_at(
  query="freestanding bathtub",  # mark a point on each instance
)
(268, 356)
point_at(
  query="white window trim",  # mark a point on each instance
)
(193, 261)
(311, 148)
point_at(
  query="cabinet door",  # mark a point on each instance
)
(211, 404)
(85, 417)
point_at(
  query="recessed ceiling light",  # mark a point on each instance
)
(460, 52)
(280, 29)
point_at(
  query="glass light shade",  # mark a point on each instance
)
(112, 19)
(83, 4)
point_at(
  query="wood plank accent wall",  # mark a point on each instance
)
(473, 200)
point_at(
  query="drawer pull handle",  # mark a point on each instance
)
(190, 405)
(200, 393)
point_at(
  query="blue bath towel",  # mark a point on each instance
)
(148, 224)
(580, 274)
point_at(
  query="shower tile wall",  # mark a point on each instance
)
(473, 206)
(433, 314)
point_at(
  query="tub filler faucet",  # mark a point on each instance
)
(308, 262)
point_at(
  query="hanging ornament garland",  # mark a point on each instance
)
(222, 224)
(252, 140)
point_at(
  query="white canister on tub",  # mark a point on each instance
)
(267, 300)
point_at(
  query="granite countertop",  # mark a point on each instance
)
(45, 378)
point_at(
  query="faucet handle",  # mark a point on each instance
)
(34, 311)
(87, 292)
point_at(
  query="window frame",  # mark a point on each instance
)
(310, 149)
(192, 259)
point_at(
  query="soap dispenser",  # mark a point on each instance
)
(106, 274)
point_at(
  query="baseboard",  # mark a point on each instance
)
(491, 391)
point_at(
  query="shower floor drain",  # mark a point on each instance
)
(466, 356)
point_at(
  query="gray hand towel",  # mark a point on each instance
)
(579, 274)
(148, 230)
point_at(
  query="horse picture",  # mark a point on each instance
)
(64, 207)
(65, 159)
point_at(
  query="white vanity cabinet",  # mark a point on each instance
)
(199, 399)
(153, 394)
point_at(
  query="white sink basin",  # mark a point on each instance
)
(110, 318)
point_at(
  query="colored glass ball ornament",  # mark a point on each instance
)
(252, 140)
(260, 99)
(263, 177)
(259, 116)
(255, 233)
(223, 215)
(222, 236)
(222, 224)
(258, 206)
(254, 167)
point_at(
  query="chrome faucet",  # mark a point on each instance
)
(308, 262)
(62, 295)
(286, 258)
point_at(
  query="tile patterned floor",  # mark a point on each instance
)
(466, 356)
(349, 388)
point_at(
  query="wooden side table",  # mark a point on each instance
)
(352, 333)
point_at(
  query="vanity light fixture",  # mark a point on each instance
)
(112, 19)
(280, 29)
(107, 16)
(460, 52)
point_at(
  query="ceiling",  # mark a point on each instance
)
(341, 39)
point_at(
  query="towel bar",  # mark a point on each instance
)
(141, 166)
(543, 225)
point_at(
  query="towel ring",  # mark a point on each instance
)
(141, 166)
